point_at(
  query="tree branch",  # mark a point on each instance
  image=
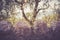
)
(43, 8)
(35, 9)
(29, 21)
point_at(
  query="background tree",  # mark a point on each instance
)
(29, 9)
(35, 9)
